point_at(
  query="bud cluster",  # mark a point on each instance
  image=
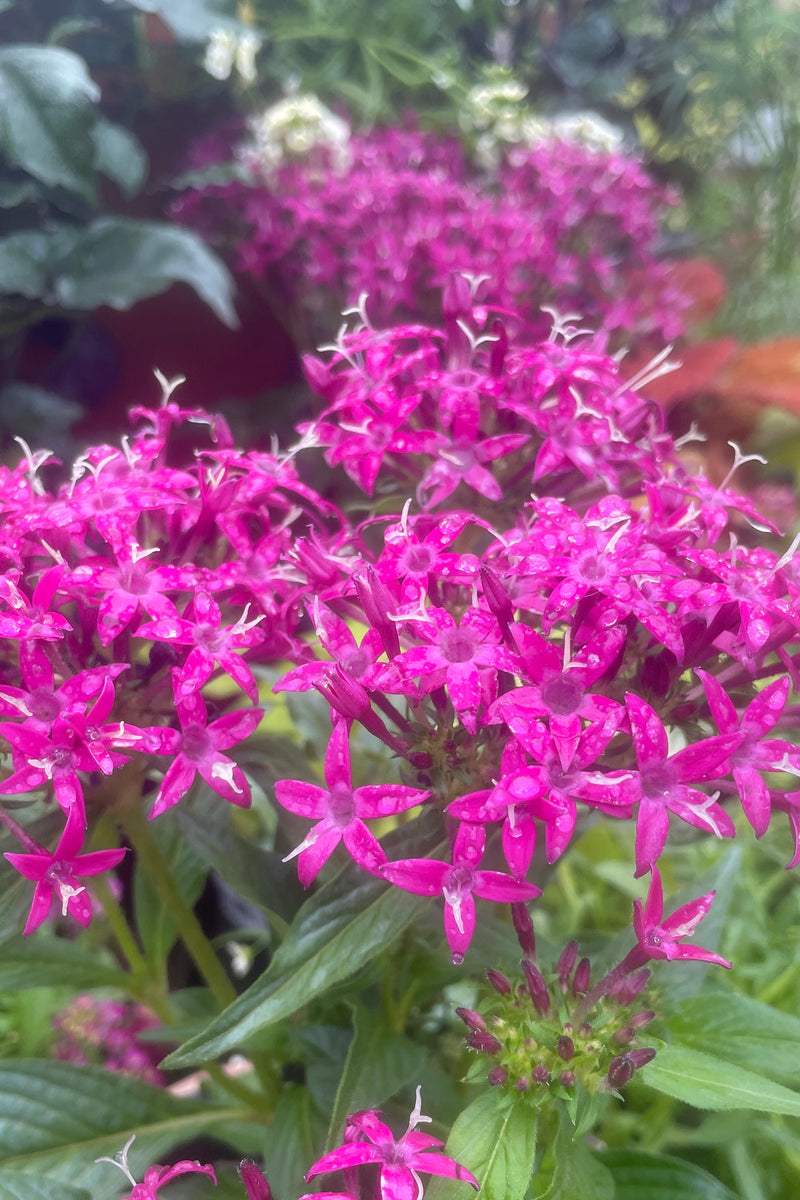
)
(542, 1043)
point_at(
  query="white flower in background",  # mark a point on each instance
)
(295, 126)
(586, 129)
(226, 50)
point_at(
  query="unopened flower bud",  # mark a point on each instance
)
(628, 989)
(620, 1071)
(472, 1019)
(498, 1076)
(255, 1185)
(537, 988)
(376, 600)
(565, 1047)
(523, 927)
(582, 978)
(499, 349)
(565, 963)
(567, 1078)
(498, 982)
(540, 1074)
(486, 1042)
(496, 596)
(522, 1085)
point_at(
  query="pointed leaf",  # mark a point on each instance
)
(338, 930)
(742, 1031)
(119, 155)
(292, 1142)
(45, 961)
(708, 1082)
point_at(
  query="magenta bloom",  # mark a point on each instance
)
(340, 809)
(459, 882)
(369, 1140)
(58, 874)
(155, 1177)
(198, 747)
(659, 938)
(662, 783)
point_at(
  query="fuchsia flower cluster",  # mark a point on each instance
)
(557, 224)
(532, 607)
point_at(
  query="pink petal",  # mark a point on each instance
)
(304, 799)
(422, 876)
(652, 827)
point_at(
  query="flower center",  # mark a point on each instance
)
(457, 646)
(196, 743)
(341, 805)
(562, 696)
(657, 781)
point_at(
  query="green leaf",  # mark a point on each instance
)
(46, 115)
(16, 1186)
(658, 1177)
(292, 1142)
(56, 1119)
(154, 923)
(338, 930)
(569, 1171)
(256, 875)
(742, 1031)
(707, 1082)
(117, 261)
(378, 1064)
(23, 264)
(495, 1138)
(119, 155)
(45, 961)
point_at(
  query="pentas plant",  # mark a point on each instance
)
(522, 618)
(552, 223)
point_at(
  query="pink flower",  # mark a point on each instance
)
(340, 810)
(369, 1140)
(58, 874)
(659, 938)
(198, 747)
(459, 882)
(155, 1177)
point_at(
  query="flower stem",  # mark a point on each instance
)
(155, 866)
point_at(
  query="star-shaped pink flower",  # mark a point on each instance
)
(57, 874)
(340, 809)
(369, 1140)
(658, 937)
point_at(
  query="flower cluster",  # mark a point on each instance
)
(532, 607)
(557, 223)
(106, 1032)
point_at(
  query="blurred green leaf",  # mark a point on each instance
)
(46, 117)
(119, 155)
(637, 1175)
(292, 1142)
(46, 961)
(117, 261)
(16, 1186)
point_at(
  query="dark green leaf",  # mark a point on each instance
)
(292, 1142)
(154, 923)
(23, 264)
(46, 115)
(707, 1082)
(119, 155)
(16, 1186)
(257, 875)
(45, 961)
(495, 1138)
(117, 261)
(657, 1177)
(56, 1119)
(338, 930)
(378, 1064)
(16, 190)
(742, 1031)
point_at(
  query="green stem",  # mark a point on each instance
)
(155, 866)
